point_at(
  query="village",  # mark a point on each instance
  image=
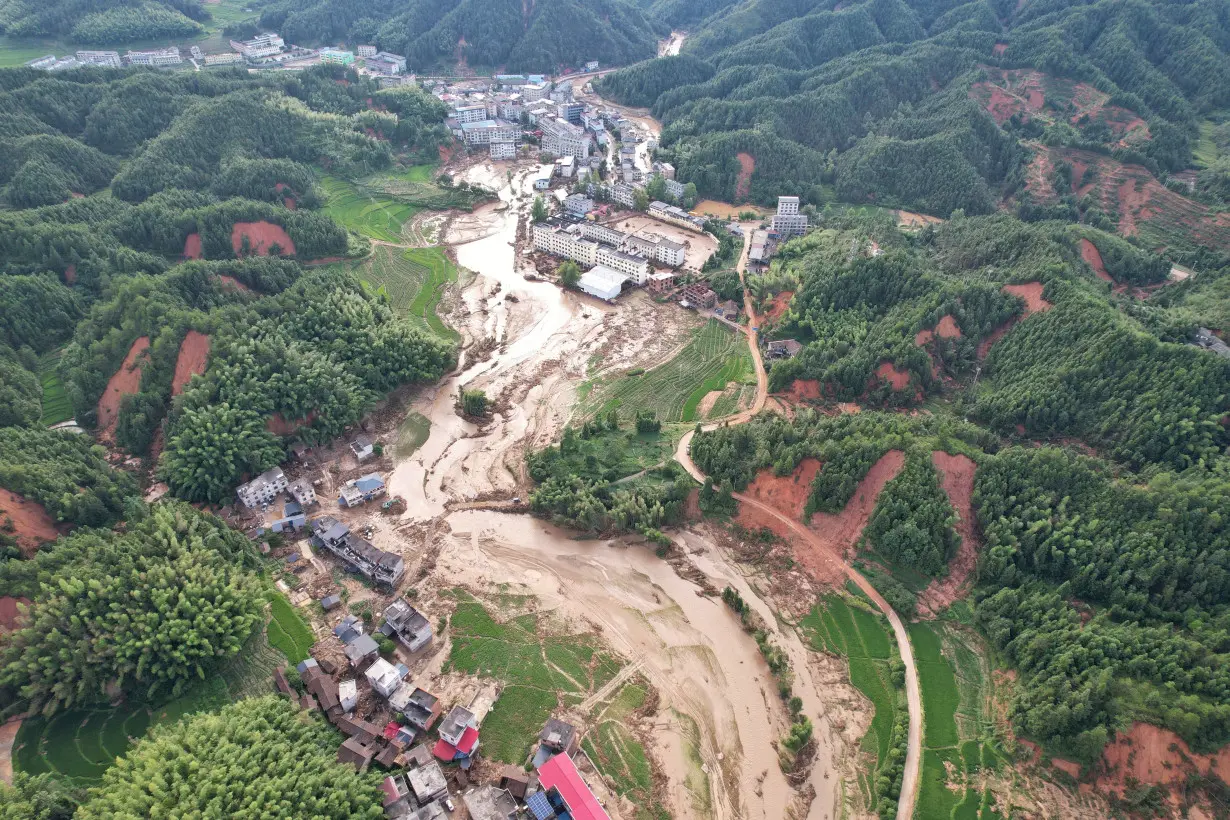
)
(375, 675)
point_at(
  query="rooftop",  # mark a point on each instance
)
(561, 774)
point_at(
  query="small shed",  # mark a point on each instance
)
(330, 602)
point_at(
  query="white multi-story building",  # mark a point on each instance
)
(503, 149)
(223, 59)
(559, 241)
(675, 216)
(509, 109)
(470, 113)
(601, 233)
(632, 265)
(263, 489)
(389, 65)
(788, 221)
(489, 131)
(365, 51)
(109, 59)
(537, 91)
(624, 193)
(158, 57)
(564, 139)
(263, 45)
(656, 247)
(674, 189)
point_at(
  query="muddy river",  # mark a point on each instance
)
(529, 345)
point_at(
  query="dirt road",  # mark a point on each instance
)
(913, 755)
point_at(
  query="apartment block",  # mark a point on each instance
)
(160, 57)
(108, 59)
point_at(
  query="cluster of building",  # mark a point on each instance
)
(552, 790)
(614, 257)
(364, 557)
(159, 58)
(787, 222)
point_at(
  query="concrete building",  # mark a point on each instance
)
(263, 489)
(578, 205)
(365, 51)
(107, 59)
(698, 295)
(223, 59)
(509, 109)
(570, 111)
(624, 193)
(558, 241)
(360, 490)
(260, 46)
(43, 63)
(487, 802)
(420, 707)
(390, 65)
(303, 492)
(336, 56)
(631, 265)
(602, 282)
(656, 247)
(536, 91)
(788, 221)
(383, 676)
(486, 132)
(676, 216)
(382, 567)
(674, 189)
(503, 149)
(407, 624)
(601, 233)
(427, 783)
(470, 113)
(158, 58)
(348, 695)
(363, 448)
(561, 138)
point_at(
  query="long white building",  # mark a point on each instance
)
(108, 59)
(564, 139)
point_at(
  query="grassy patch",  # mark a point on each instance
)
(438, 271)
(375, 215)
(1205, 152)
(412, 434)
(515, 720)
(539, 672)
(618, 754)
(714, 357)
(56, 406)
(935, 800)
(844, 628)
(939, 688)
(288, 631)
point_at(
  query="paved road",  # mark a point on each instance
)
(913, 754)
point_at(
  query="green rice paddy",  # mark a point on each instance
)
(713, 358)
(289, 632)
(374, 215)
(414, 280)
(56, 406)
(541, 673)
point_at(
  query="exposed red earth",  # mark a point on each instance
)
(786, 493)
(192, 246)
(126, 381)
(957, 479)
(743, 183)
(193, 354)
(898, 379)
(282, 427)
(1151, 755)
(1031, 292)
(9, 613)
(32, 526)
(232, 282)
(261, 237)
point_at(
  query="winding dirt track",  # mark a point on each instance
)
(913, 754)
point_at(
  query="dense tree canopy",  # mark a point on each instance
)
(147, 611)
(260, 757)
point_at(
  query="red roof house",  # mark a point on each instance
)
(561, 774)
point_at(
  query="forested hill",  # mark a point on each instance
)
(102, 21)
(544, 36)
(138, 209)
(940, 105)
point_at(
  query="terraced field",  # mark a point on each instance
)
(56, 406)
(83, 743)
(714, 357)
(414, 279)
(375, 215)
(289, 633)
